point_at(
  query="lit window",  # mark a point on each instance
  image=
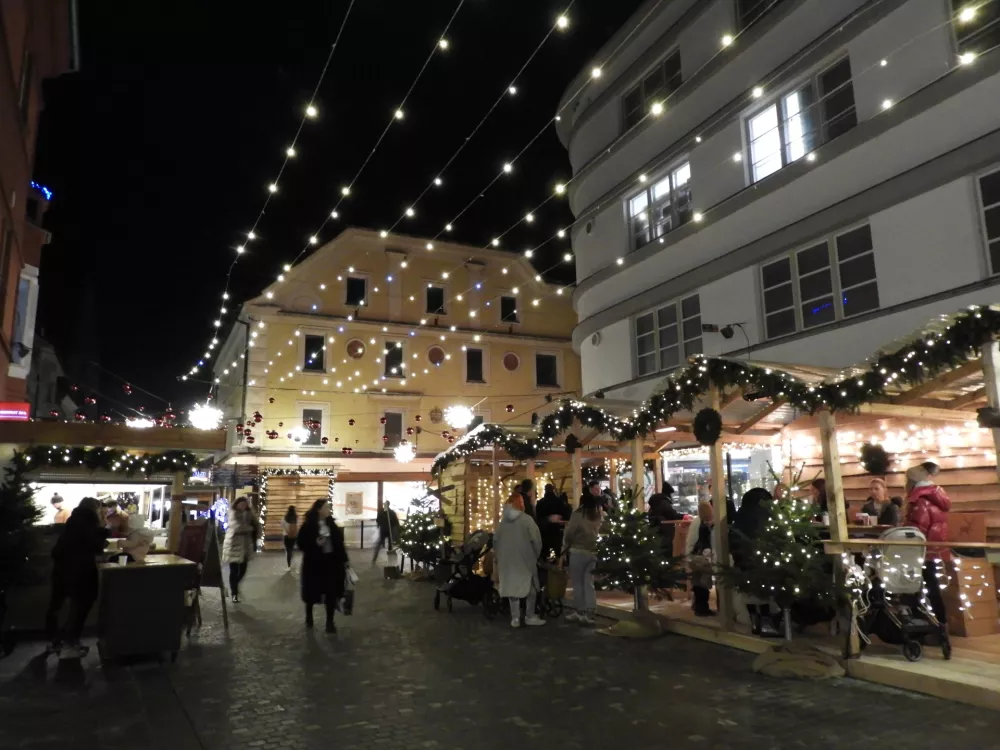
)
(662, 207)
(989, 197)
(667, 336)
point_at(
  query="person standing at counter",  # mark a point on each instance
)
(238, 545)
(74, 576)
(324, 562)
(62, 515)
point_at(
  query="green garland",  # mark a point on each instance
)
(110, 459)
(918, 361)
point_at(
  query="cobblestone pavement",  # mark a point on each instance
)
(401, 676)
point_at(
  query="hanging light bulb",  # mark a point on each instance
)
(458, 417)
(311, 111)
(404, 453)
(205, 417)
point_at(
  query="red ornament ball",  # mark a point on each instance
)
(416, 418)
(281, 424)
(79, 416)
(105, 418)
(74, 388)
(128, 389)
(53, 413)
(90, 400)
(385, 438)
(258, 417)
(325, 440)
(239, 427)
(382, 420)
(271, 400)
(409, 430)
(250, 439)
(451, 440)
(510, 408)
(350, 422)
(247, 432)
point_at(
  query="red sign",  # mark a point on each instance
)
(14, 411)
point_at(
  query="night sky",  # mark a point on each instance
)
(160, 149)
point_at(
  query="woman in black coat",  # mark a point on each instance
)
(324, 562)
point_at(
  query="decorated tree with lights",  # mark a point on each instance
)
(630, 553)
(18, 514)
(422, 535)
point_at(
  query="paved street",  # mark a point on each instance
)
(400, 675)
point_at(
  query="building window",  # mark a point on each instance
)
(394, 360)
(22, 338)
(656, 86)
(830, 280)
(546, 371)
(309, 417)
(989, 198)
(508, 309)
(314, 356)
(751, 11)
(977, 25)
(660, 208)
(665, 337)
(393, 429)
(801, 120)
(435, 300)
(357, 291)
(474, 366)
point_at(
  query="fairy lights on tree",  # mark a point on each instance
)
(421, 537)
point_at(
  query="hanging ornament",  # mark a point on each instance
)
(105, 418)
(142, 408)
(258, 417)
(385, 438)
(350, 422)
(79, 416)
(336, 440)
(128, 389)
(281, 424)
(53, 413)
(409, 430)
(416, 418)
(90, 400)
(271, 400)
(169, 414)
(451, 440)
(344, 450)
(707, 426)
(239, 427)
(74, 388)
(382, 420)
(510, 408)
(325, 440)
(247, 432)
(250, 439)
(289, 436)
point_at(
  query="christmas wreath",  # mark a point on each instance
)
(708, 426)
(875, 459)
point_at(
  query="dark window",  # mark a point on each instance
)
(508, 309)
(20, 316)
(977, 25)
(393, 428)
(394, 360)
(751, 11)
(474, 366)
(989, 194)
(313, 416)
(656, 86)
(314, 359)
(357, 291)
(24, 95)
(435, 300)
(546, 371)
(664, 337)
(836, 92)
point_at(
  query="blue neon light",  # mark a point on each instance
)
(42, 189)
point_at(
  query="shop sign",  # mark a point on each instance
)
(15, 411)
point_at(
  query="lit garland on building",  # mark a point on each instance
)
(912, 364)
(420, 537)
(110, 459)
(262, 489)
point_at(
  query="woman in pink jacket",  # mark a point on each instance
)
(927, 509)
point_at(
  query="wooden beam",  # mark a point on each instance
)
(638, 475)
(589, 436)
(577, 479)
(916, 412)
(658, 473)
(935, 384)
(112, 436)
(613, 476)
(720, 531)
(176, 512)
(762, 414)
(403, 476)
(991, 381)
(967, 399)
(495, 486)
(733, 395)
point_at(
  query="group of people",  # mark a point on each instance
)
(530, 534)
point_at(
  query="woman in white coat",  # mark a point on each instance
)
(239, 544)
(517, 543)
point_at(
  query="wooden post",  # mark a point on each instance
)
(613, 475)
(836, 507)
(531, 476)
(991, 380)
(638, 475)
(577, 460)
(720, 512)
(176, 510)
(495, 486)
(658, 473)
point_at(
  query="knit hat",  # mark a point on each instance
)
(917, 474)
(517, 501)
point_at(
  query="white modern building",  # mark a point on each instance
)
(823, 173)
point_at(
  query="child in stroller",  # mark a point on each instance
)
(898, 610)
(463, 582)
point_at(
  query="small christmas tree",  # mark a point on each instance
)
(630, 552)
(422, 536)
(18, 514)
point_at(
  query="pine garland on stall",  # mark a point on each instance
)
(18, 514)
(786, 561)
(630, 553)
(420, 537)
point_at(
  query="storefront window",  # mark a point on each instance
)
(690, 474)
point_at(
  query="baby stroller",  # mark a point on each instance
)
(463, 583)
(898, 612)
(553, 579)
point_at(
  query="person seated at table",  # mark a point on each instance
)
(877, 495)
(817, 495)
(892, 512)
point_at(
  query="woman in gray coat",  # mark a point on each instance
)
(517, 544)
(239, 544)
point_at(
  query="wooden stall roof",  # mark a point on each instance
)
(112, 435)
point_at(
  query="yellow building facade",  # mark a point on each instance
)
(371, 339)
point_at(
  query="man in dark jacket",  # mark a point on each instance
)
(74, 576)
(388, 529)
(527, 491)
(662, 514)
(552, 512)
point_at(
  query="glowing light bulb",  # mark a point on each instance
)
(738, 156)
(512, 90)
(698, 216)
(383, 234)
(528, 253)
(410, 212)
(290, 152)
(251, 236)
(568, 257)
(273, 187)
(438, 181)
(311, 111)
(345, 191)
(758, 92)
(886, 104)
(967, 13)
(399, 114)
(313, 240)
(529, 217)
(443, 43)
(334, 215)
(508, 168)
(966, 58)
(643, 178)
(429, 245)
(560, 188)
(595, 72)
(562, 22)
(448, 227)
(496, 243)
(240, 249)
(656, 109)
(620, 261)
(727, 39)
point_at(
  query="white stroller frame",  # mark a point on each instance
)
(901, 569)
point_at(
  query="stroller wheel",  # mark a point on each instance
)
(449, 603)
(912, 650)
(437, 601)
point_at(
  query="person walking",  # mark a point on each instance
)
(324, 562)
(74, 576)
(517, 544)
(388, 529)
(289, 531)
(239, 544)
(580, 543)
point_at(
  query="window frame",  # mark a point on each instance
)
(836, 285)
(387, 446)
(21, 368)
(741, 25)
(819, 134)
(483, 365)
(982, 209)
(304, 352)
(639, 86)
(357, 277)
(444, 298)
(682, 343)
(956, 27)
(324, 410)
(652, 204)
(559, 369)
(398, 343)
(517, 315)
